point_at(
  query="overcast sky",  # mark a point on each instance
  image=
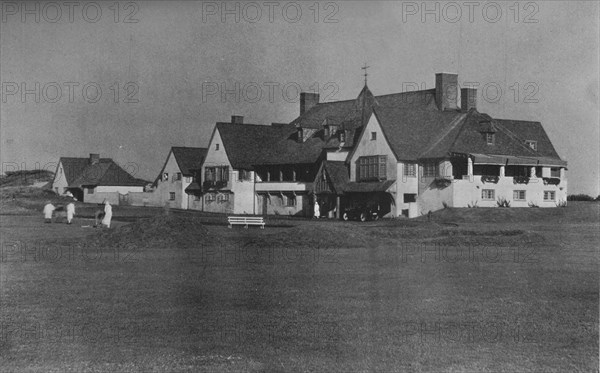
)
(167, 64)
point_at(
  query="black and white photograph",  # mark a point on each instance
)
(299, 186)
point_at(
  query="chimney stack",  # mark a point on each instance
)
(94, 158)
(237, 119)
(308, 101)
(468, 99)
(446, 91)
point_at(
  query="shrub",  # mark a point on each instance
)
(561, 203)
(580, 197)
(503, 202)
(472, 205)
(445, 204)
(533, 204)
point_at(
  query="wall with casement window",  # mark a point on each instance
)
(168, 185)
(378, 147)
(469, 191)
(407, 183)
(284, 204)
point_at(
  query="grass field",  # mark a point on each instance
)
(474, 290)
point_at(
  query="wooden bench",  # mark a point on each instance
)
(246, 221)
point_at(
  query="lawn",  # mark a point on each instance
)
(472, 290)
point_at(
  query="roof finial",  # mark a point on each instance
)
(365, 67)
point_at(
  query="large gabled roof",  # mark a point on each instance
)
(467, 137)
(80, 172)
(188, 159)
(408, 132)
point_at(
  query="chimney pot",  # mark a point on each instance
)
(94, 158)
(468, 99)
(308, 101)
(237, 119)
(446, 91)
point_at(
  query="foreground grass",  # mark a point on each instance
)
(170, 294)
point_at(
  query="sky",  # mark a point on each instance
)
(129, 80)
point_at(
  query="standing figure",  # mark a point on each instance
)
(317, 210)
(107, 214)
(70, 212)
(48, 210)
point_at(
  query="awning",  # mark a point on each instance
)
(510, 160)
(368, 187)
(194, 187)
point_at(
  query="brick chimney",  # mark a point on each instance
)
(94, 158)
(468, 99)
(307, 101)
(446, 91)
(237, 119)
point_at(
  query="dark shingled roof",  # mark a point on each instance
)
(106, 172)
(410, 131)
(251, 144)
(188, 159)
(337, 173)
(467, 137)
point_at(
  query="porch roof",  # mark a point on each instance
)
(510, 160)
(366, 187)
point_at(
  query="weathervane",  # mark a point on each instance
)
(365, 67)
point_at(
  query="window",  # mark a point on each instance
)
(196, 197)
(410, 170)
(430, 169)
(342, 136)
(489, 138)
(177, 176)
(216, 173)
(290, 201)
(532, 144)
(223, 197)
(371, 168)
(209, 197)
(171, 196)
(410, 198)
(488, 194)
(373, 135)
(555, 172)
(549, 195)
(216, 146)
(243, 175)
(522, 171)
(90, 190)
(519, 195)
(165, 176)
(188, 179)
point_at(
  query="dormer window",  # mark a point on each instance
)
(300, 134)
(532, 144)
(342, 135)
(490, 138)
(333, 130)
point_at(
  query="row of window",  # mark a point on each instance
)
(518, 195)
(285, 200)
(176, 177)
(219, 197)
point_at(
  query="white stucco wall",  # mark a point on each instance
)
(337, 155)
(406, 185)
(60, 180)
(163, 188)
(468, 192)
(368, 147)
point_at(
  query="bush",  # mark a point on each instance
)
(580, 197)
(561, 203)
(503, 202)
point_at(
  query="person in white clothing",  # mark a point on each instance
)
(70, 212)
(107, 214)
(317, 210)
(48, 211)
